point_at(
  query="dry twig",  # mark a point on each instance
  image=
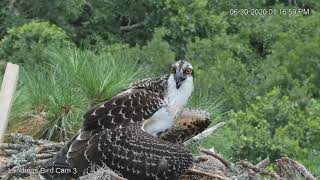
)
(264, 163)
(259, 170)
(204, 134)
(200, 159)
(202, 173)
(215, 155)
(13, 146)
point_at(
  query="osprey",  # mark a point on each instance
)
(138, 132)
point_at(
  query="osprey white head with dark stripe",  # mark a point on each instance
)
(136, 132)
(176, 95)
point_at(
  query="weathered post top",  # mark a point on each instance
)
(7, 91)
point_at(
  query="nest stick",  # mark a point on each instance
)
(260, 171)
(204, 134)
(13, 146)
(200, 159)
(264, 163)
(215, 155)
(202, 173)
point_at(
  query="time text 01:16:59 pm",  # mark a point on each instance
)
(269, 12)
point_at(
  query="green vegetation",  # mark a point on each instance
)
(274, 125)
(26, 44)
(259, 73)
(59, 92)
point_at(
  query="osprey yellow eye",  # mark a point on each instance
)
(189, 71)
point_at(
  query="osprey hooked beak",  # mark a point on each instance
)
(179, 77)
(181, 71)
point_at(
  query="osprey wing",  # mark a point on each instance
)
(157, 83)
(133, 105)
(134, 153)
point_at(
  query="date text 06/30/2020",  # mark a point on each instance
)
(268, 12)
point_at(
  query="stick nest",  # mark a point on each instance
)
(21, 152)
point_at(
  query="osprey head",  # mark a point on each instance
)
(182, 71)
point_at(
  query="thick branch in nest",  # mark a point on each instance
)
(264, 163)
(200, 159)
(215, 155)
(204, 134)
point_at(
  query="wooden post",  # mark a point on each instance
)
(8, 89)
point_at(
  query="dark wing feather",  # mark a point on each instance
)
(157, 83)
(127, 107)
(112, 135)
(134, 153)
(190, 123)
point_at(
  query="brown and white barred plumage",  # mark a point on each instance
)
(191, 122)
(134, 153)
(112, 135)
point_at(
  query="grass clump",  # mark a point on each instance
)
(53, 96)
